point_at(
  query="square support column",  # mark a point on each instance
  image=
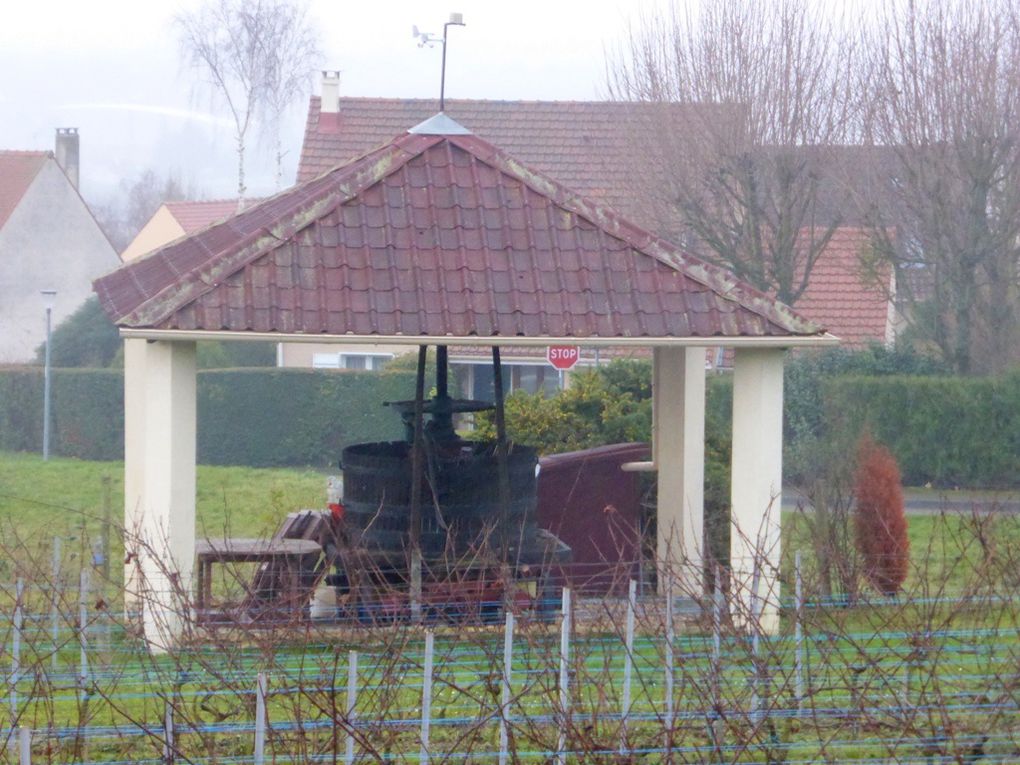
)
(757, 478)
(160, 433)
(678, 450)
(134, 461)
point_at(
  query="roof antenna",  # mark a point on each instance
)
(424, 38)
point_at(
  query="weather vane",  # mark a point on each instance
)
(426, 39)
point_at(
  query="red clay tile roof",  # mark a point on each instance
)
(437, 236)
(839, 295)
(17, 171)
(588, 146)
(194, 216)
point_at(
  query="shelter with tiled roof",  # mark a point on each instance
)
(49, 240)
(440, 238)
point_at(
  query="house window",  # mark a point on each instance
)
(531, 378)
(371, 361)
(325, 361)
(365, 361)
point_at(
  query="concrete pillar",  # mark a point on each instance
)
(678, 450)
(134, 462)
(756, 494)
(166, 520)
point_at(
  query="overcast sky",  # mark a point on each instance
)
(111, 68)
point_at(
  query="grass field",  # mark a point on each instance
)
(883, 680)
(54, 498)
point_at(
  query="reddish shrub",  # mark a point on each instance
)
(880, 521)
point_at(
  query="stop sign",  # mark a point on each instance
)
(563, 356)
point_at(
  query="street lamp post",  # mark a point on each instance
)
(49, 298)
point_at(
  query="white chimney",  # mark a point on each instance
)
(330, 102)
(66, 153)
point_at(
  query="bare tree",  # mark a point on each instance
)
(136, 201)
(943, 83)
(764, 86)
(254, 57)
(290, 62)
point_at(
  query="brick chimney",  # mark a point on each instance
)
(67, 153)
(330, 101)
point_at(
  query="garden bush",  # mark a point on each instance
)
(879, 517)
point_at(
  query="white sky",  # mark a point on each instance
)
(110, 68)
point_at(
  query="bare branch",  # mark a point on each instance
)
(255, 57)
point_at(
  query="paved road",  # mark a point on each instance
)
(954, 502)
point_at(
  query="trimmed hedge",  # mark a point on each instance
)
(257, 417)
(268, 417)
(947, 431)
(87, 411)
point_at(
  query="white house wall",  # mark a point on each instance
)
(50, 241)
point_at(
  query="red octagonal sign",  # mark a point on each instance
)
(563, 356)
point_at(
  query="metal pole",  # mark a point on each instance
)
(19, 592)
(628, 665)
(426, 698)
(504, 712)
(718, 603)
(670, 661)
(455, 21)
(561, 746)
(260, 719)
(501, 456)
(83, 614)
(24, 745)
(717, 607)
(417, 471)
(168, 733)
(798, 664)
(46, 389)
(352, 699)
(755, 649)
(55, 590)
(104, 566)
(442, 74)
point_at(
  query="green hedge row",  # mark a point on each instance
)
(947, 431)
(87, 412)
(294, 417)
(257, 417)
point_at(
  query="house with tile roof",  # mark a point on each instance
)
(175, 219)
(590, 147)
(49, 240)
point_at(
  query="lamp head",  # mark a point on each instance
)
(49, 298)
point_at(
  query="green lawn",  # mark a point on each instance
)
(965, 671)
(54, 498)
(61, 497)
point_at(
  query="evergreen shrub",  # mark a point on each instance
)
(879, 517)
